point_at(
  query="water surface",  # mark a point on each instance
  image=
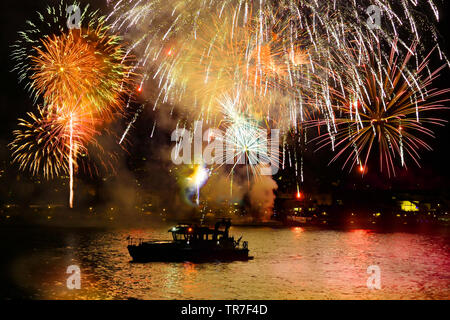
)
(289, 263)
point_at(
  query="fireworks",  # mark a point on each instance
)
(232, 51)
(262, 67)
(197, 180)
(72, 68)
(81, 75)
(244, 66)
(286, 62)
(388, 113)
(64, 66)
(191, 179)
(86, 63)
(201, 50)
(246, 142)
(43, 144)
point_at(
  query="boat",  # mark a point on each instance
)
(297, 220)
(191, 242)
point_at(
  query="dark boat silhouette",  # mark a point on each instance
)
(192, 243)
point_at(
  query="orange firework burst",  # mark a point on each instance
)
(82, 65)
(65, 67)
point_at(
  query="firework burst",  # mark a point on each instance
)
(390, 108)
(246, 141)
(42, 144)
(88, 63)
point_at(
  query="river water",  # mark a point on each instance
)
(289, 263)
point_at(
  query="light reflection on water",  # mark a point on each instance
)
(295, 263)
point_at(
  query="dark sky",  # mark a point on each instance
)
(15, 102)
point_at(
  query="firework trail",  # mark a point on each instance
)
(71, 152)
(263, 71)
(133, 120)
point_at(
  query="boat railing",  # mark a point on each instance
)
(241, 245)
(139, 241)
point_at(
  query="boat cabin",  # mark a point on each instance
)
(193, 232)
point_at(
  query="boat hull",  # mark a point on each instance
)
(176, 253)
